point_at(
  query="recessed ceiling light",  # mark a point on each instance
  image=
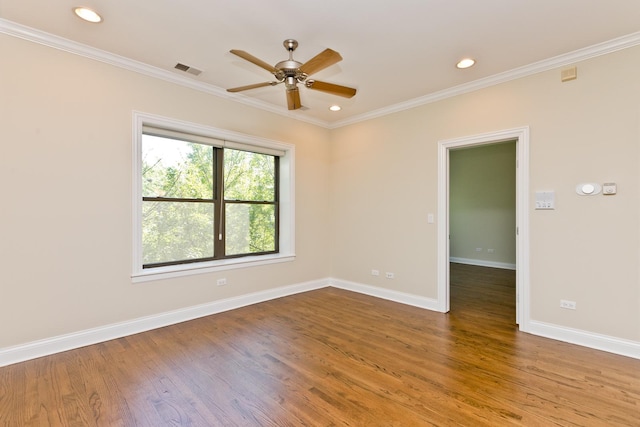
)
(465, 63)
(335, 108)
(87, 14)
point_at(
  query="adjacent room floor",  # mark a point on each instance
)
(332, 357)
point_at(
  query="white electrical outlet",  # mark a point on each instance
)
(389, 275)
(375, 272)
(571, 305)
(478, 249)
(221, 282)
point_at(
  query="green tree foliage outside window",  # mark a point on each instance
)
(249, 177)
(182, 189)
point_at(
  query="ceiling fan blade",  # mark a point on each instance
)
(259, 62)
(253, 86)
(293, 99)
(331, 88)
(321, 61)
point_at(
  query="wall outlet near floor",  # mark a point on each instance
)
(389, 275)
(571, 305)
(221, 282)
(478, 249)
(375, 272)
(491, 251)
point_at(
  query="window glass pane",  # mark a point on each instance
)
(249, 228)
(176, 169)
(248, 176)
(176, 231)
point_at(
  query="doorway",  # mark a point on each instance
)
(521, 138)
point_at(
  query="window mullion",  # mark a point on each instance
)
(218, 226)
(176, 199)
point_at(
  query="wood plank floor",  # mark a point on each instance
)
(333, 358)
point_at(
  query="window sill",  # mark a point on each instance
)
(174, 271)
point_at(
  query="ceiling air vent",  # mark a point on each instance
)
(188, 69)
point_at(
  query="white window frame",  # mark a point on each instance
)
(286, 200)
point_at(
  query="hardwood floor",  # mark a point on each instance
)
(332, 357)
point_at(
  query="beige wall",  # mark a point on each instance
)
(384, 174)
(363, 192)
(482, 204)
(66, 215)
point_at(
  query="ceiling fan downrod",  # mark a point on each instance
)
(289, 68)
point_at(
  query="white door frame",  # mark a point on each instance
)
(521, 135)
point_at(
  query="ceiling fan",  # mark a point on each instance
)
(291, 72)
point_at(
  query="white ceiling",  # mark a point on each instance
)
(395, 53)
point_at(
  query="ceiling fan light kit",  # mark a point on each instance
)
(291, 72)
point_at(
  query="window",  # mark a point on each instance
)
(204, 201)
(250, 202)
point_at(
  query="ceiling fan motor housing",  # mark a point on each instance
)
(289, 73)
(289, 68)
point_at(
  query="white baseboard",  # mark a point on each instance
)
(574, 336)
(586, 339)
(45, 347)
(35, 349)
(483, 263)
(401, 297)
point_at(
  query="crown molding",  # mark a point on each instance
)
(583, 54)
(33, 35)
(20, 31)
